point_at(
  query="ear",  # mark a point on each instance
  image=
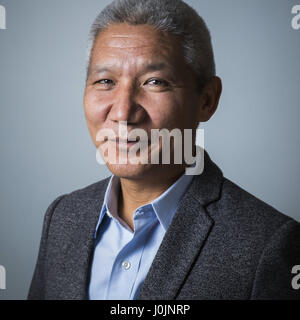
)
(209, 99)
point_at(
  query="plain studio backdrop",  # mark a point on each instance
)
(46, 149)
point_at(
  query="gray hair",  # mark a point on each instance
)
(172, 16)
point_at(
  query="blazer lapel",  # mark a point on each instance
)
(184, 238)
(77, 252)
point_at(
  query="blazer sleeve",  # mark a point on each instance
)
(273, 278)
(37, 287)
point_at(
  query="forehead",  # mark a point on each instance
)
(127, 45)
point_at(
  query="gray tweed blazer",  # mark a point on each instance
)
(223, 243)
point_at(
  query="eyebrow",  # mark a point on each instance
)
(156, 67)
(148, 68)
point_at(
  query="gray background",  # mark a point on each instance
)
(45, 145)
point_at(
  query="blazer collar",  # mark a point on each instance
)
(184, 238)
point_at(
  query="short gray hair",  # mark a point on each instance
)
(172, 16)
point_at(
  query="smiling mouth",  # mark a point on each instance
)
(126, 143)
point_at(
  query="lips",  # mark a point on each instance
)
(124, 145)
(127, 141)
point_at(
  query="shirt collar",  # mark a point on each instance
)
(164, 206)
(111, 197)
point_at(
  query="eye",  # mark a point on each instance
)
(106, 83)
(157, 82)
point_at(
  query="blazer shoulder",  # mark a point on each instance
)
(245, 200)
(73, 203)
(242, 211)
(89, 192)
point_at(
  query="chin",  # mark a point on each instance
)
(129, 171)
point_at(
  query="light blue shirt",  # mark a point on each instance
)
(122, 257)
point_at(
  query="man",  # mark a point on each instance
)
(152, 231)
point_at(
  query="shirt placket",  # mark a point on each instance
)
(126, 265)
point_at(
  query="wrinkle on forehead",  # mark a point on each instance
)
(120, 42)
(134, 46)
(127, 47)
(124, 35)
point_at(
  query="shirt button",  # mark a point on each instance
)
(126, 265)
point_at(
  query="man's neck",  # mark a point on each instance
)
(136, 193)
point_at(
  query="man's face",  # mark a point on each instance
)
(138, 74)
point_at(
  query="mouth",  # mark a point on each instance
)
(126, 143)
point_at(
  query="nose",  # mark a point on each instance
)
(125, 106)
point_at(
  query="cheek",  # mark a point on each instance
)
(95, 108)
(165, 110)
